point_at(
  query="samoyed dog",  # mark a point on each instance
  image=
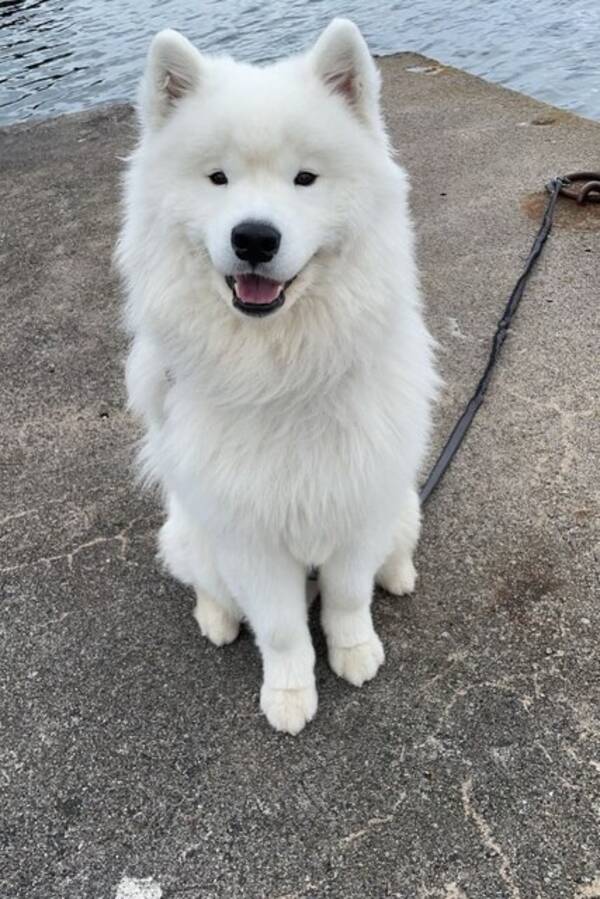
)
(279, 359)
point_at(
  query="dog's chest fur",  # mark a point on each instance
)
(290, 470)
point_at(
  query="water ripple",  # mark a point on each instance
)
(57, 57)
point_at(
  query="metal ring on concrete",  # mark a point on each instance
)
(588, 193)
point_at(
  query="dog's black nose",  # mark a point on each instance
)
(255, 242)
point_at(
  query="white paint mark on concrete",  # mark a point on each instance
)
(147, 888)
(455, 329)
(591, 890)
(424, 70)
(453, 891)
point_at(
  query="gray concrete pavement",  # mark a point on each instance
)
(134, 761)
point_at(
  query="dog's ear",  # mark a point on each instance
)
(342, 61)
(173, 71)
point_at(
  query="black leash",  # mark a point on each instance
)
(589, 192)
(463, 424)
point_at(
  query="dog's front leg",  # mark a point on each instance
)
(347, 581)
(269, 586)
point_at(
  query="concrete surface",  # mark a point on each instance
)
(135, 762)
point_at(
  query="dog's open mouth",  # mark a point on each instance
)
(256, 295)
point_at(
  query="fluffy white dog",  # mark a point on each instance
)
(279, 359)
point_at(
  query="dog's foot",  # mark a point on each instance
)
(288, 710)
(359, 663)
(399, 578)
(216, 623)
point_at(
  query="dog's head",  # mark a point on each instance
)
(267, 171)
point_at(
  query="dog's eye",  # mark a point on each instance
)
(218, 177)
(305, 179)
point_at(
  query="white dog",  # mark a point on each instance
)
(279, 359)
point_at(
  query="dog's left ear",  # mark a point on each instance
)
(343, 62)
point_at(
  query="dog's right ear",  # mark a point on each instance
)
(173, 71)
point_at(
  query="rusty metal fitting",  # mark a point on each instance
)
(589, 192)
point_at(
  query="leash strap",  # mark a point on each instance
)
(554, 187)
(463, 424)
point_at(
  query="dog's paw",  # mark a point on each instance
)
(288, 710)
(398, 579)
(359, 663)
(216, 623)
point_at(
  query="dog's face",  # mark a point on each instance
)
(267, 171)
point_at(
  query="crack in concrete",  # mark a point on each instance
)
(485, 832)
(371, 823)
(25, 513)
(123, 538)
(453, 658)
(14, 515)
(46, 625)
(506, 685)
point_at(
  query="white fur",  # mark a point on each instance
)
(296, 439)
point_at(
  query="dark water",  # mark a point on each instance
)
(61, 55)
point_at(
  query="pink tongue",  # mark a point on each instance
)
(255, 289)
